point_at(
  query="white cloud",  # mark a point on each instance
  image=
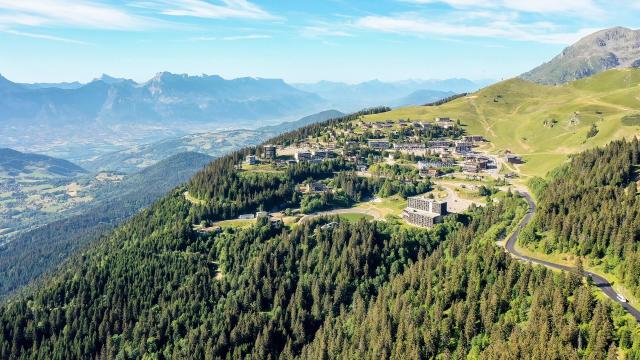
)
(225, 9)
(233, 37)
(543, 32)
(322, 31)
(44, 37)
(405, 24)
(246, 37)
(75, 13)
(585, 8)
(21, 19)
(456, 3)
(95, 14)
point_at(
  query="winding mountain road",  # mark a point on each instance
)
(598, 280)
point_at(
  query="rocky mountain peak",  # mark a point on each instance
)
(617, 47)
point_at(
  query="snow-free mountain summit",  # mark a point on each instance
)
(618, 47)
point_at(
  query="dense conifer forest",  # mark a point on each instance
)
(157, 288)
(590, 207)
(468, 299)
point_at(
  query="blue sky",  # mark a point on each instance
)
(297, 40)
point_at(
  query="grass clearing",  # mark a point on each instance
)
(262, 168)
(235, 223)
(392, 205)
(355, 217)
(193, 199)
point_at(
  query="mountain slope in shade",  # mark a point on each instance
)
(617, 47)
(37, 251)
(14, 162)
(7, 86)
(307, 120)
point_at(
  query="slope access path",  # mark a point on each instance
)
(598, 280)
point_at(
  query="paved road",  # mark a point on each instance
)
(455, 203)
(598, 280)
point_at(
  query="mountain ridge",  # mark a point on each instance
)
(15, 162)
(353, 97)
(108, 114)
(118, 100)
(616, 47)
(421, 97)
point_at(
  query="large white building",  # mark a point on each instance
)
(303, 156)
(380, 144)
(269, 151)
(251, 160)
(440, 144)
(424, 212)
(409, 146)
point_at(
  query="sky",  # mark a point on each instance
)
(296, 40)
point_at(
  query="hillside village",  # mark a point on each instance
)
(428, 169)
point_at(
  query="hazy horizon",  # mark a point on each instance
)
(142, 81)
(301, 42)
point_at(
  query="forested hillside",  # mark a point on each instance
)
(39, 250)
(14, 163)
(158, 287)
(468, 299)
(591, 208)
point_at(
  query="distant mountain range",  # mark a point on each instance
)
(63, 85)
(617, 47)
(421, 97)
(350, 97)
(166, 98)
(14, 162)
(83, 121)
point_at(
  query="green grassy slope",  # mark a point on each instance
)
(543, 123)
